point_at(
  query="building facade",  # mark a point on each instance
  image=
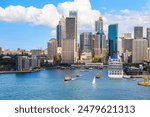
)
(59, 35)
(99, 25)
(148, 36)
(127, 44)
(127, 35)
(138, 32)
(52, 49)
(61, 31)
(37, 52)
(1, 52)
(85, 42)
(86, 57)
(139, 50)
(69, 45)
(112, 38)
(25, 63)
(96, 46)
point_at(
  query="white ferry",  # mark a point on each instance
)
(115, 68)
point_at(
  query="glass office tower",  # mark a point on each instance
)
(112, 38)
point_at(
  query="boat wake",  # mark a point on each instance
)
(94, 81)
(74, 78)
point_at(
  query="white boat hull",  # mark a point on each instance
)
(115, 76)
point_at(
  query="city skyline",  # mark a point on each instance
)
(33, 32)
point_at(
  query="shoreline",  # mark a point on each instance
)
(15, 72)
(138, 76)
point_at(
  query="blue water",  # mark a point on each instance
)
(50, 85)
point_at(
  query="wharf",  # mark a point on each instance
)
(139, 76)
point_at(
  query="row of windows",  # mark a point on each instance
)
(115, 73)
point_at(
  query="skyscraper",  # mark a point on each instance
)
(99, 31)
(59, 35)
(69, 46)
(139, 50)
(99, 25)
(138, 32)
(74, 14)
(112, 37)
(61, 31)
(148, 36)
(96, 46)
(85, 42)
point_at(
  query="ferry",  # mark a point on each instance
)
(115, 68)
(67, 78)
(97, 75)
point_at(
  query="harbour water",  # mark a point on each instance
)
(50, 85)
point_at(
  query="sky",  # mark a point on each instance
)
(29, 24)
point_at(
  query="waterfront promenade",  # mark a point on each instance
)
(13, 72)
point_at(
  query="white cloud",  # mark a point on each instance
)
(49, 15)
(125, 11)
(86, 15)
(127, 19)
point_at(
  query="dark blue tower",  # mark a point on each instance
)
(112, 38)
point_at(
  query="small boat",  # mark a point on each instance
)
(90, 68)
(62, 68)
(94, 81)
(82, 70)
(98, 75)
(126, 77)
(77, 75)
(67, 78)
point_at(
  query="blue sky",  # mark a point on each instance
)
(14, 34)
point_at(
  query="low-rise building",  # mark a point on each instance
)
(86, 57)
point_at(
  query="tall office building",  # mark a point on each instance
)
(59, 35)
(61, 31)
(96, 46)
(74, 14)
(138, 32)
(127, 49)
(69, 45)
(85, 42)
(52, 49)
(99, 25)
(99, 31)
(148, 36)
(139, 50)
(112, 37)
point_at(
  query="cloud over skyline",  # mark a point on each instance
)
(49, 15)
